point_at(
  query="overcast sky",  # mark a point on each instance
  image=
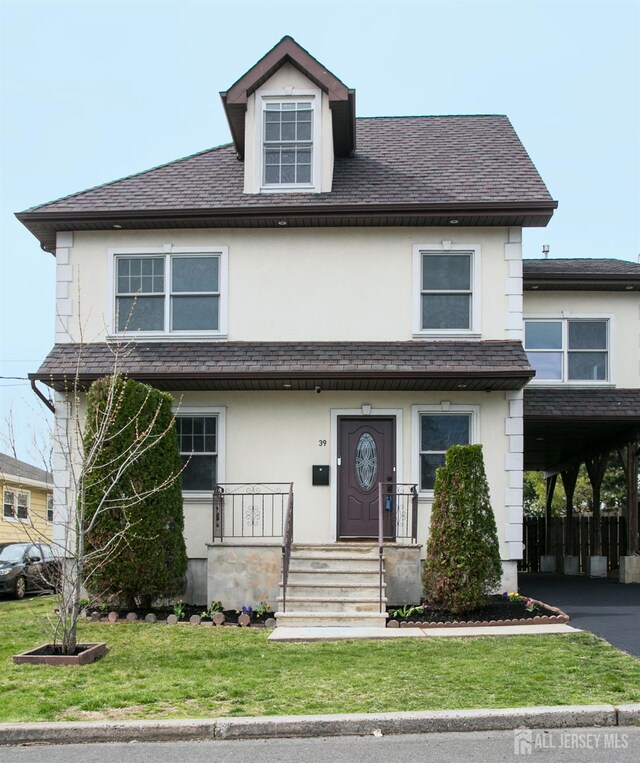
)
(93, 90)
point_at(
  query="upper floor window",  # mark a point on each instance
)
(447, 294)
(16, 505)
(288, 143)
(170, 293)
(568, 349)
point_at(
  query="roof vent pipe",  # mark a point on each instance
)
(545, 251)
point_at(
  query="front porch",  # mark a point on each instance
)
(255, 555)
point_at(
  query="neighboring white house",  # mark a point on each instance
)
(332, 301)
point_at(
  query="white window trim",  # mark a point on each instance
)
(201, 496)
(565, 317)
(46, 509)
(474, 331)
(167, 251)
(445, 408)
(293, 94)
(396, 413)
(15, 518)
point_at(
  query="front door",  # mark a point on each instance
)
(366, 456)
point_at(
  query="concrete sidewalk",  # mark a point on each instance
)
(339, 634)
(357, 724)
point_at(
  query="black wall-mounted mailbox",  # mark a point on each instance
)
(320, 475)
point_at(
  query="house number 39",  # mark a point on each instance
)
(322, 443)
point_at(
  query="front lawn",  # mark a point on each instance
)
(159, 671)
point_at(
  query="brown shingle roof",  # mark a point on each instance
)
(595, 404)
(581, 274)
(267, 365)
(399, 160)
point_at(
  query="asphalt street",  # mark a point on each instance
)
(584, 745)
(601, 605)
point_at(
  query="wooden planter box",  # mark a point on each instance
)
(87, 653)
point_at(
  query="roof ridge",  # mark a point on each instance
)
(431, 116)
(127, 177)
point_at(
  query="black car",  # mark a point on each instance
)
(27, 567)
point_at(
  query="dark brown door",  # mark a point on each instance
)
(366, 456)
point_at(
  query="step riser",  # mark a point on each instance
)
(320, 591)
(334, 554)
(332, 606)
(302, 621)
(331, 578)
(321, 565)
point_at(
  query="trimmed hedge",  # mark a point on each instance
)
(463, 558)
(151, 561)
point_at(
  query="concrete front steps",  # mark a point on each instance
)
(335, 585)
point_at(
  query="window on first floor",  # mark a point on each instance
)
(49, 508)
(198, 441)
(437, 433)
(568, 349)
(16, 504)
(169, 293)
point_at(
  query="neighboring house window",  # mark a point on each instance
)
(170, 293)
(198, 441)
(16, 505)
(568, 349)
(49, 508)
(288, 143)
(447, 290)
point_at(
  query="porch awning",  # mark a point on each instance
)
(561, 424)
(414, 365)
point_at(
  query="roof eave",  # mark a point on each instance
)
(44, 225)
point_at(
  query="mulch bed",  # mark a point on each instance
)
(191, 614)
(498, 610)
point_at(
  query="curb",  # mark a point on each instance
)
(356, 724)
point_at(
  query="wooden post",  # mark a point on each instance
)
(551, 486)
(633, 542)
(596, 468)
(569, 479)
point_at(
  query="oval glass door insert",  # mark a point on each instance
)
(366, 461)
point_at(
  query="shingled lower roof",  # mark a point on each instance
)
(563, 423)
(412, 365)
(581, 274)
(406, 171)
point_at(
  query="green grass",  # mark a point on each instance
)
(157, 671)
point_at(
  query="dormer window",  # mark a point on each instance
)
(288, 143)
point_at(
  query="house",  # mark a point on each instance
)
(332, 301)
(27, 501)
(582, 337)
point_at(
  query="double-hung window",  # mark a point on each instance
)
(447, 299)
(198, 440)
(49, 508)
(288, 143)
(437, 433)
(16, 505)
(173, 293)
(568, 349)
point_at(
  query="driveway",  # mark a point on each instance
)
(600, 605)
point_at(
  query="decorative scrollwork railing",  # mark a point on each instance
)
(249, 509)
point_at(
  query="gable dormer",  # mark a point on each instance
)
(289, 117)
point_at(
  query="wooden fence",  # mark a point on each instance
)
(574, 537)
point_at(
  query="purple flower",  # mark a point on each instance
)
(247, 611)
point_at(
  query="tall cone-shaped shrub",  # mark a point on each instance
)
(463, 557)
(138, 460)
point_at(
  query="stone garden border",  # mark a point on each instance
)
(244, 621)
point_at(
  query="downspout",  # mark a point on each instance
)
(44, 399)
